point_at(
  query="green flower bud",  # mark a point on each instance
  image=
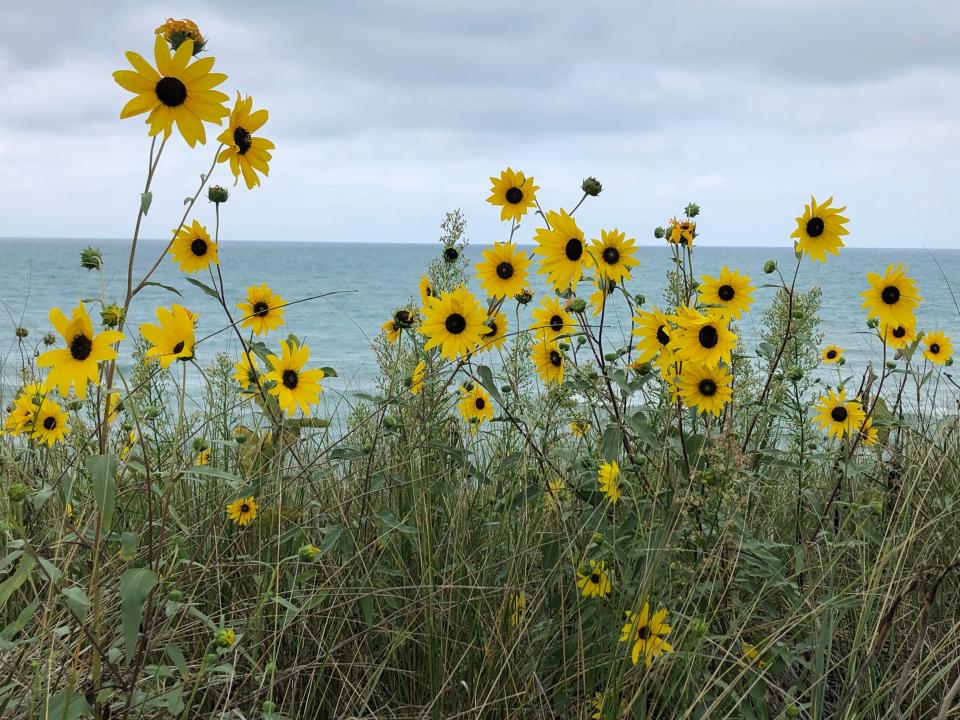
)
(949, 362)
(795, 374)
(151, 412)
(209, 659)
(74, 405)
(524, 296)
(891, 365)
(876, 507)
(639, 299)
(659, 233)
(769, 267)
(699, 626)
(578, 305)
(17, 492)
(591, 186)
(91, 259)
(217, 194)
(691, 210)
(225, 637)
(112, 316)
(176, 596)
(791, 711)
(269, 707)
(872, 322)
(581, 339)
(506, 389)
(563, 345)
(308, 552)
(21, 332)
(610, 357)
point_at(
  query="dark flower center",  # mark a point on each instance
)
(831, 354)
(504, 271)
(50, 423)
(178, 348)
(899, 331)
(611, 255)
(493, 328)
(708, 336)
(935, 348)
(556, 323)
(290, 378)
(555, 359)
(80, 347)
(243, 140)
(171, 91)
(574, 249)
(244, 509)
(815, 227)
(643, 633)
(260, 309)
(707, 387)
(595, 578)
(890, 294)
(662, 336)
(451, 254)
(401, 318)
(514, 195)
(199, 247)
(455, 323)
(480, 403)
(839, 414)
(726, 293)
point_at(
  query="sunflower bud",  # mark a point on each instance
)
(769, 267)
(577, 305)
(17, 492)
(225, 637)
(49, 339)
(21, 332)
(524, 296)
(112, 316)
(591, 186)
(610, 357)
(506, 389)
(639, 299)
(563, 346)
(891, 365)
(175, 596)
(691, 210)
(75, 405)
(659, 233)
(876, 507)
(949, 362)
(791, 711)
(699, 626)
(872, 322)
(581, 339)
(151, 412)
(91, 259)
(268, 707)
(795, 374)
(177, 32)
(217, 194)
(308, 552)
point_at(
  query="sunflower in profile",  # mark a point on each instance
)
(562, 251)
(551, 320)
(496, 336)
(175, 92)
(503, 271)
(613, 255)
(391, 331)
(730, 293)
(549, 361)
(837, 415)
(128, 444)
(173, 339)
(704, 339)
(262, 310)
(704, 387)
(653, 330)
(671, 379)
(193, 248)
(579, 428)
(242, 511)
(899, 337)
(246, 153)
(20, 416)
(820, 229)
(868, 433)
(50, 423)
(475, 406)
(417, 378)
(293, 386)
(682, 232)
(646, 634)
(514, 192)
(426, 290)
(204, 455)
(114, 406)
(832, 354)
(608, 478)
(454, 321)
(603, 290)
(937, 347)
(594, 582)
(892, 297)
(78, 363)
(176, 32)
(246, 371)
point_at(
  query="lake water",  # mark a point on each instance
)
(39, 274)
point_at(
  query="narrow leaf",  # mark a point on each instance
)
(135, 585)
(206, 288)
(103, 470)
(145, 200)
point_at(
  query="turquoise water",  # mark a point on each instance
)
(376, 278)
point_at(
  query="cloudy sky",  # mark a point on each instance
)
(387, 114)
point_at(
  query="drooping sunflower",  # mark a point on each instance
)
(730, 293)
(247, 154)
(426, 291)
(173, 339)
(682, 232)
(242, 511)
(454, 321)
(549, 360)
(177, 91)
(702, 338)
(654, 331)
(555, 493)
(820, 229)
(646, 634)
(262, 310)
(417, 378)
(391, 330)
(706, 388)
(892, 297)
(78, 363)
(603, 290)
(247, 371)
(114, 406)
(868, 433)
(293, 386)
(608, 478)
(551, 320)
(128, 444)
(503, 271)
(595, 582)
(613, 255)
(193, 248)
(475, 406)
(562, 251)
(50, 423)
(899, 337)
(937, 347)
(496, 336)
(514, 192)
(837, 415)
(831, 354)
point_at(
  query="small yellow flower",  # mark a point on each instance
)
(263, 309)
(203, 457)
(518, 608)
(608, 477)
(647, 634)
(416, 379)
(752, 655)
(579, 428)
(243, 512)
(595, 582)
(514, 193)
(193, 248)
(832, 354)
(937, 347)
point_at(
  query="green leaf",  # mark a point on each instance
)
(77, 601)
(145, 200)
(135, 585)
(486, 379)
(329, 372)
(170, 288)
(65, 705)
(612, 441)
(103, 470)
(206, 288)
(306, 423)
(11, 630)
(176, 655)
(9, 586)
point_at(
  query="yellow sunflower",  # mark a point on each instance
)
(549, 360)
(579, 428)
(173, 339)
(426, 290)
(242, 511)
(892, 297)
(704, 339)
(551, 320)
(475, 405)
(514, 193)
(247, 372)
(832, 354)
(682, 232)
(653, 329)
(114, 406)
(293, 386)
(204, 456)
(613, 255)
(646, 634)
(562, 251)
(595, 582)
(555, 493)
(175, 92)
(705, 388)
(417, 378)
(20, 416)
(937, 347)
(752, 655)
(262, 310)
(608, 478)
(176, 31)
(78, 363)
(193, 248)
(128, 445)
(50, 423)
(837, 415)
(496, 336)
(819, 229)
(603, 290)
(247, 154)
(731, 293)
(899, 337)
(403, 318)
(454, 321)
(503, 271)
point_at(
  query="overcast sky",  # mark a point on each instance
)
(387, 114)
